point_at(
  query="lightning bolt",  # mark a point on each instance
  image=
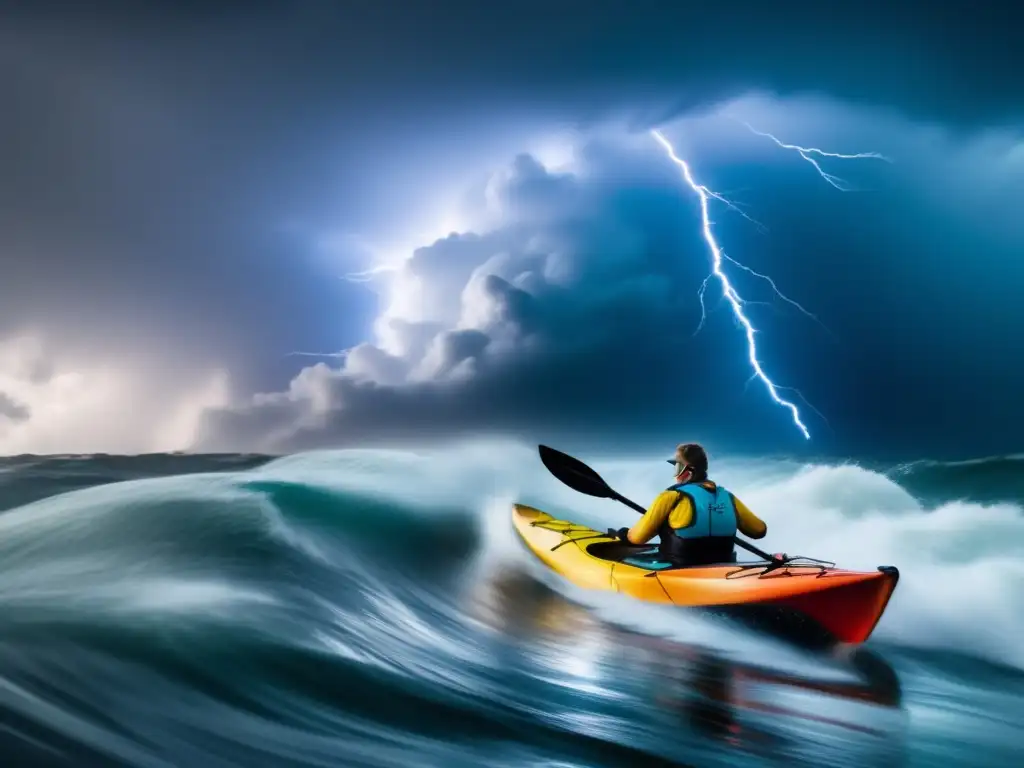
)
(730, 293)
(806, 152)
(367, 275)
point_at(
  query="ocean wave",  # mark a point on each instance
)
(357, 607)
(991, 479)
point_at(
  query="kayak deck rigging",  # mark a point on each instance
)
(646, 555)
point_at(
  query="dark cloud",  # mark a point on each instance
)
(954, 61)
(150, 187)
(11, 409)
(577, 314)
(170, 170)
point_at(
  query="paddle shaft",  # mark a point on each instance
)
(739, 542)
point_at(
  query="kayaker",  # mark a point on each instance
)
(695, 519)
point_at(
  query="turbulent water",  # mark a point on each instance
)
(372, 608)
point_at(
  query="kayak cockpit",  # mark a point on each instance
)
(645, 556)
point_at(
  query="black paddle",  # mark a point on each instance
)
(578, 476)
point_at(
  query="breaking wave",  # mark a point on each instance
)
(361, 606)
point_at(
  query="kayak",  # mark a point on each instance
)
(838, 604)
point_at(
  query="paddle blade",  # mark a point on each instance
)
(574, 473)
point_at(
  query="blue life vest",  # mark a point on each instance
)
(714, 514)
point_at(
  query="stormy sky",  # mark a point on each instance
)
(187, 189)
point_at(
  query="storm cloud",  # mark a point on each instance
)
(185, 185)
(579, 307)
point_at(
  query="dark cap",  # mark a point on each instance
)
(691, 455)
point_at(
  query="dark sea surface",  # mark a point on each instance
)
(373, 608)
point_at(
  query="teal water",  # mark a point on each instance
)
(372, 608)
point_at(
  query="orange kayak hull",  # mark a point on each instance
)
(847, 605)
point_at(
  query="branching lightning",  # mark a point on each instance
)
(730, 293)
(745, 268)
(806, 152)
(367, 275)
(718, 257)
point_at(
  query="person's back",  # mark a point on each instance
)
(695, 518)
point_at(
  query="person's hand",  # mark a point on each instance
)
(622, 534)
(780, 556)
